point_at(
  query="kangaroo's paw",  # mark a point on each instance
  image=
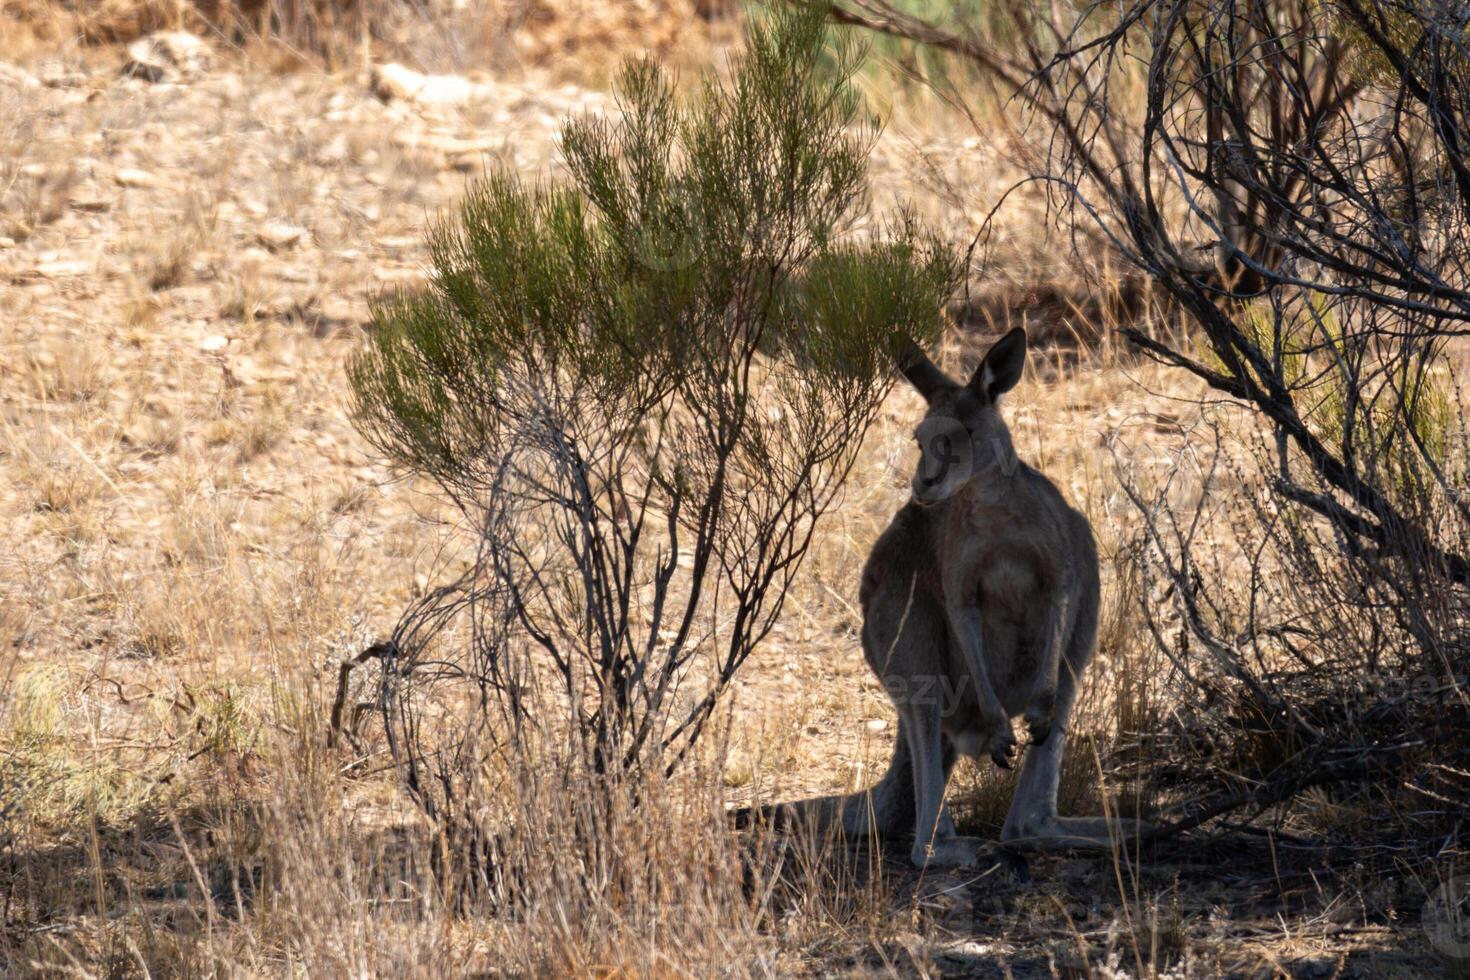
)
(1002, 746)
(946, 852)
(1038, 717)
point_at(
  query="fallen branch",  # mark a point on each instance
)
(380, 651)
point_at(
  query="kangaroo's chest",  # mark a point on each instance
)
(1010, 565)
(1009, 580)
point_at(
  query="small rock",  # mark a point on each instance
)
(168, 56)
(147, 73)
(6, 242)
(65, 79)
(467, 162)
(394, 81)
(277, 235)
(396, 242)
(877, 724)
(89, 197)
(62, 268)
(214, 342)
(134, 178)
(739, 770)
(15, 77)
(35, 171)
(420, 584)
(971, 950)
(459, 154)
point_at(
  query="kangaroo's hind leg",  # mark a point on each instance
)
(935, 840)
(1041, 705)
(904, 637)
(1033, 814)
(889, 808)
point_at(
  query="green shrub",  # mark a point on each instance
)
(642, 389)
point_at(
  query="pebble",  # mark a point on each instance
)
(134, 178)
(63, 268)
(17, 77)
(739, 769)
(89, 197)
(168, 56)
(395, 81)
(277, 235)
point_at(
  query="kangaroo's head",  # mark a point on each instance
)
(962, 435)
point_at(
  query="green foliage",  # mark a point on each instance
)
(1385, 405)
(43, 778)
(1411, 26)
(643, 389)
(691, 230)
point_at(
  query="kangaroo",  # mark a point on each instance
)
(980, 604)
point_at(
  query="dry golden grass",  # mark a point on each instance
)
(196, 538)
(576, 39)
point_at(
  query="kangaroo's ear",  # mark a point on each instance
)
(921, 372)
(1002, 367)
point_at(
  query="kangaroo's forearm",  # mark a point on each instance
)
(966, 625)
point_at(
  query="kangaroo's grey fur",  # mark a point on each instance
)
(980, 604)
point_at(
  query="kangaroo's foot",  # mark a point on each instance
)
(946, 852)
(1091, 833)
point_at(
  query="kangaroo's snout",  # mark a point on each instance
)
(946, 459)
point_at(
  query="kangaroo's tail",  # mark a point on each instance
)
(883, 810)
